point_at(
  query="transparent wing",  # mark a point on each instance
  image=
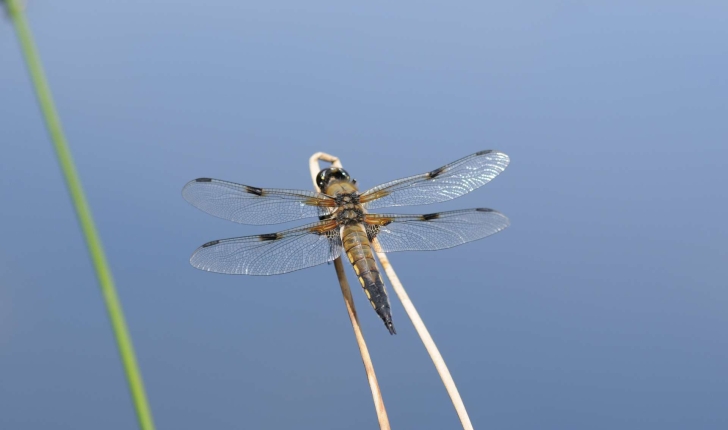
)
(445, 183)
(271, 254)
(251, 205)
(433, 231)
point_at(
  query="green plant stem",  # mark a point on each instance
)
(103, 273)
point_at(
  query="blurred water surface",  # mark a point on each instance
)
(603, 305)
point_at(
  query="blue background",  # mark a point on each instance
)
(603, 306)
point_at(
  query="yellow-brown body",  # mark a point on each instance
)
(358, 248)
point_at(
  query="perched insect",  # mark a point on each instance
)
(344, 225)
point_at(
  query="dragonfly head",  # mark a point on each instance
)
(326, 176)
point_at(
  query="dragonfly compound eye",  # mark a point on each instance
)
(324, 178)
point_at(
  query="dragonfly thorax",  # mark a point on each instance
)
(349, 215)
(349, 210)
(345, 199)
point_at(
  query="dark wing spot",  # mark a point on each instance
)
(325, 217)
(214, 242)
(484, 210)
(428, 217)
(203, 180)
(487, 151)
(269, 236)
(435, 173)
(254, 190)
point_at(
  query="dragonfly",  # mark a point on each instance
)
(345, 224)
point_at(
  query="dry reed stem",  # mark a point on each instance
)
(414, 316)
(351, 310)
(409, 307)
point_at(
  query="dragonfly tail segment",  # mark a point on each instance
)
(359, 251)
(377, 295)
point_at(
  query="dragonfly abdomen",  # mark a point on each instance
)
(359, 251)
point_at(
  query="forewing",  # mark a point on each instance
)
(433, 231)
(251, 205)
(271, 254)
(445, 183)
